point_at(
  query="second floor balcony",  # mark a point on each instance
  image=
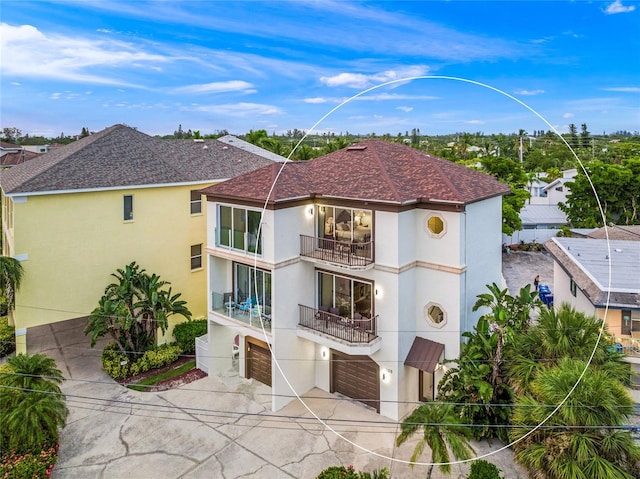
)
(352, 254)
(354, 330)
(248, 312)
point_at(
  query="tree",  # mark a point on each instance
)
(32, 407)
(441, 432)
(573, 136)
(133, 309)
(582, 439)
(11, 135)
(11, 274)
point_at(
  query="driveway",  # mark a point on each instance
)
(218, 427)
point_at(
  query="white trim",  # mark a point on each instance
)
(19, 199)
(22, 257)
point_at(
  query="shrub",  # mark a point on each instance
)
(19, 466)
(118, 366)
(115, 362)
(7, 337)
(187, 332)
(482, 469)
(341, 472)
(156, 358)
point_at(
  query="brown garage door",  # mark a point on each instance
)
(356, 377)
(258, 361)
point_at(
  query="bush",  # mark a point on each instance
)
(156, 358)
(187, 332)
(19, 466)
(482, 469)
(7, 337)
(341, 472)
(118, 366)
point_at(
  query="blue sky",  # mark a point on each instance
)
(240, 66)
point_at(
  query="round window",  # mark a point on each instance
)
(436, 226)
(435, 315)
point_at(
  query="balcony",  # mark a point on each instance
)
(629, 346)
(354, 255)
(237, 314)
(351, 330)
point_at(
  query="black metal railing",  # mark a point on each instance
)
(353, 330)
(348, 253)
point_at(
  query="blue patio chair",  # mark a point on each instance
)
(248, 305)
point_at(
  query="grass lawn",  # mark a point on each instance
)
(171, 373)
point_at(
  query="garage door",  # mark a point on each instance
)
(356, 377)
(258, 361)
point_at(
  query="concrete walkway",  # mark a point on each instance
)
(216, 427)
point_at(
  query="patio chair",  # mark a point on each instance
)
(235, 348)
(248, 305)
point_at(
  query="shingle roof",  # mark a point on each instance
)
(617, 232)
(373, 170)
(587, 262)
(17, 157)
(120, 156)
(250, 147)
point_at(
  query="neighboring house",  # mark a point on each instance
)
(362, 265)
(78, 213)
(537, 190)
(617, 232)
(557, 190)
(600, 278)
(539, 223)
(11, 155)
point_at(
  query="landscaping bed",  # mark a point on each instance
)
(169, 383)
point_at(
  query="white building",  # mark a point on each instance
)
(368, 262)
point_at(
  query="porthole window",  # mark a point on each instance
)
(435, 315)
(436, 226)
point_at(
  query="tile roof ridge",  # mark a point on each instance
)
(384, 167)
(435, 163)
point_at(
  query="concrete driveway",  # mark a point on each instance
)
(218, 427)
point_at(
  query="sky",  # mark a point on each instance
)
(320, 66)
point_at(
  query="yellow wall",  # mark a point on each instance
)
(75, 241)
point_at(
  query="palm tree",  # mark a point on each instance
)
(32, 407)
(441, 432)
(11, 274)
(585, 439)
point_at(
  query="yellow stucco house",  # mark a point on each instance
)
(75, 215)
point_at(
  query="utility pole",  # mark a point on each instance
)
(520, 149)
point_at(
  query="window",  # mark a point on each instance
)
(196, 256)
(436, 226)
(572, 287)
(435, 315)
(254, 283)
(344, 224)
(238, 229)
(196, 202)
(348, 296)
(128, 207)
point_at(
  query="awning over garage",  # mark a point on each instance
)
(424, 354)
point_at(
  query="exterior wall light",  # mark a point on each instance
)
(310, 211)
(324, 352)
(385, 375)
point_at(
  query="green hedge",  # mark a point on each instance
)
(7, 337)
(187, 332)
(116, 364)
(341, 472)
(482, 469)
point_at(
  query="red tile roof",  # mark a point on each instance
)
(373, 170)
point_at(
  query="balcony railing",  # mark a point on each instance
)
(223, 304)
(352, 254)
(353, 330)
(628, 346)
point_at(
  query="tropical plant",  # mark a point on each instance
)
(584, 437)
(32, 407)
(11, 274)
(133, 309)
(482, 469)
(187, 332)
(442, 432)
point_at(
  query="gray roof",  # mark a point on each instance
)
(542, 215)
(120, 156)
(250, 147)
(618, 232)
(587, 263)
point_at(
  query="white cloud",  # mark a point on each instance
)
(568, 115)
(361, 80)
(406, 109)
(528, 92)
(217, 87)
(237, 109)
(15, 83)
(27, 52)
(55, 96)
(474, 122)
(315, 100)
(624, 89)
(618, 7)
